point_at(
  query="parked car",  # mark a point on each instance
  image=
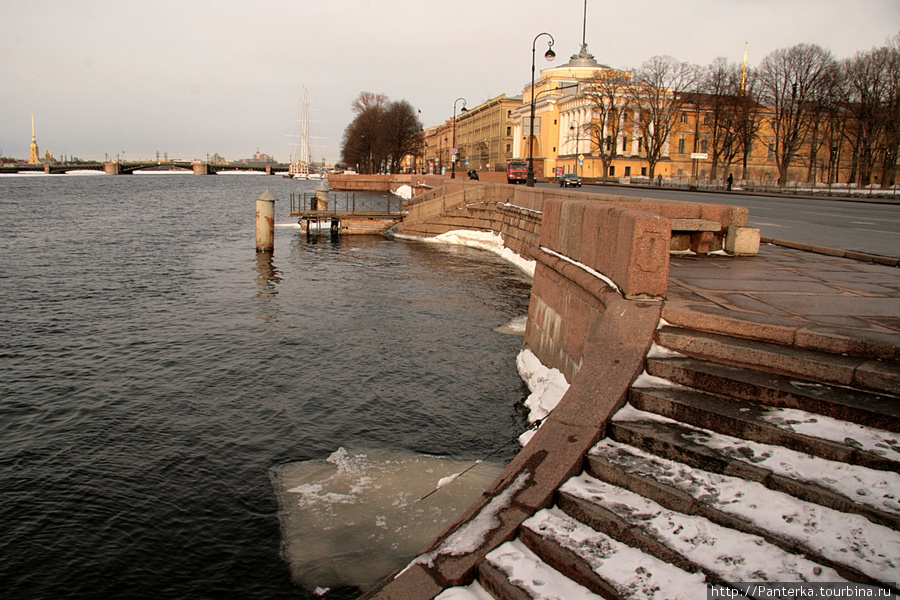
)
(570, 180)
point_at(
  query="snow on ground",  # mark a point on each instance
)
(877, 441)
(633, 573)
(474, 591)
(404, 191)
(542, 582)
(841, 537)
(585, 268)
(547, 387)
(472, 535)
(871, 487)
(732, 555)
(484, 240)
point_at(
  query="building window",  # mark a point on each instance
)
(508, 148)
(625, 144)
(612, 170)
(644, 171)
(509, 131)
(681, 144)
(704, 146)
(684, 117)
(627, 171)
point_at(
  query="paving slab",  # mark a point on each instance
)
(818, 297)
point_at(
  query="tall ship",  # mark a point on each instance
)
(301, 166)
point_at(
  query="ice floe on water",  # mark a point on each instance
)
(357, 516)
(514, 327)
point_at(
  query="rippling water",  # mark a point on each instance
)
(154, 369)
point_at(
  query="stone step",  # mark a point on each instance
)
(772, 389)
(843, 487)
(790, 428)
(854, 547)
(799, 362)
(514, 572)
(603, 565)
(689, 542)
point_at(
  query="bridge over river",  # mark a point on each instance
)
(127, 168)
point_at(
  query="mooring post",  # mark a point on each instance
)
(322, 196)
(265, 221)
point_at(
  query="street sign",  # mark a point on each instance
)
(699, 155)
(453, 150)
(581, 157)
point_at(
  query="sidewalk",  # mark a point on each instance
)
(791, 297)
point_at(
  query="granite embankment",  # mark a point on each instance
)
(732, 417)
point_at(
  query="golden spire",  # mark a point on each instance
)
(744, 72)
(35, 153)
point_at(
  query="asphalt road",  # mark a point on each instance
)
(871, 226)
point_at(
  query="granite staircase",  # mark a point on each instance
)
(736, 460)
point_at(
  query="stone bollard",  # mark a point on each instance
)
(322, 196)
(265, 221)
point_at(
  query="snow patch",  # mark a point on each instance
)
(843, 538)
(541, 582)
(877, 441)
(731, 554)
(547, 387)
(633, 573)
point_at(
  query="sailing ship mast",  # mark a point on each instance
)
(301, 164)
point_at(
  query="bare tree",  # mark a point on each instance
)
(891, 113)
(657, 96)
(401, 133)
(610, 103)
(793, 83)
(724, 119)
(381, 134)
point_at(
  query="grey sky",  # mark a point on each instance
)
(192, 77)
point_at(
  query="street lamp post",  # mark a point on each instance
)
(576, 127)
(549, 55)
(453, 150)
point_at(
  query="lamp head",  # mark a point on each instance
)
(549, 54)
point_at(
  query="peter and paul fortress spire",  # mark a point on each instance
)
(35, 153)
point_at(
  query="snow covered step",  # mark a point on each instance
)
(791, 360)
(848, 404)
(857, 548)
(513, 572)
(603, 565)
(791, 428)
(848, 488)
(689, 542)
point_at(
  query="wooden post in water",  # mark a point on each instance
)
(265, 221)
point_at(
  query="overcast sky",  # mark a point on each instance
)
(193, 77)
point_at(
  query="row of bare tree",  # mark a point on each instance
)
(381, 134)
(806, 108)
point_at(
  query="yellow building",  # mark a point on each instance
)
(484, 138)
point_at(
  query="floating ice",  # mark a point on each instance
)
(514, 327)
(354, 518)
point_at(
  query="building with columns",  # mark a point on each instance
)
(484, 138)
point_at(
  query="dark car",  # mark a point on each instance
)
(570, 180)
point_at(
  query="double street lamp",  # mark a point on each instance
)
(549, 55)
(453, 151)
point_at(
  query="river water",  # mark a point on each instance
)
(155, 371)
